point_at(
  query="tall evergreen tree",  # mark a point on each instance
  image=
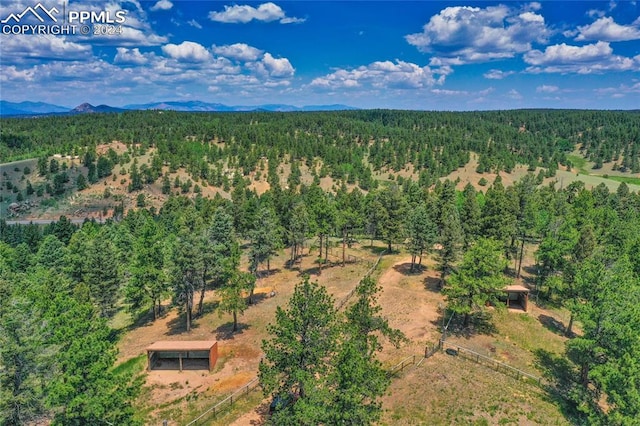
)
(84, 385)
(395, 206)
(187, 271)
(451, 239)
(421, 232)
(265, 238)
(470, 215)
(232, 295)
(607, 353)
(478, 279)
(498, 215)
(147, 283)
(298, 355)
(298, 229)
(102, 275)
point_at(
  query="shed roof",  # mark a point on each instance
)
(184, 345)
(516, 288)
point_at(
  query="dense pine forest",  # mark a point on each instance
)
(348, 142)
(62, 284)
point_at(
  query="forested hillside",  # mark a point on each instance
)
(62, 284)
(347, 142)
(588, 261)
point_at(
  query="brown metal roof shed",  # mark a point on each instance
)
(517, 295)
(183, 351)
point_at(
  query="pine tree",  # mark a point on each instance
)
(298, 229)
(85, 386)
(358, 379)
(607, 353)
(298, 355)
(470, 215)
(265, 238)
(187, 270)
(81, 182)
(421, 232)
(478, 279)
(221, 254)
(395, 206)
(102, 275)
(147, 282)
(135, 178)
(232, 295)
(25, 359)
(451, 239)
(166, 184)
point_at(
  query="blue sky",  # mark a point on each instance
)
(429, 55)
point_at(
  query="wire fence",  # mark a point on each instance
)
(366, 274)
(253, 384)
(410, 360)
(496, 365)
(226, 403)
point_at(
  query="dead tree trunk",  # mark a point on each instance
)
(344, 243)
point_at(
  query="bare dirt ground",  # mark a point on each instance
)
(410, 301)
(468, 174)
(427, 394)
(179, 396)
(445, 390)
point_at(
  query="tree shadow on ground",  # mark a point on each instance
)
(293, 264)
(374, 249)
(405, 269)
(560, 376)
(225, 331)
(178, 325)
(552, 324)
(314, 270)
(531, 275)
(432, 284)
(263, 411)
(145, 317)
(264, 273)
(257, 298)
(480, 323)
(207, 308)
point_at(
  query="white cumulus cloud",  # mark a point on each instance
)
(384, 74)
(606, 29)
(238, 51)
(587, 59)
(21, 48)
(11, 73)
(130, 56)
(162, 5)
(464, 34)
(276, 67)
(187, 51)
(497, 74)
(241, 14)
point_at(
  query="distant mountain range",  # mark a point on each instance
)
(41, 108)
(30, 108)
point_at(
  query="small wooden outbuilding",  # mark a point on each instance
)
(187, 354)
(517, 297)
